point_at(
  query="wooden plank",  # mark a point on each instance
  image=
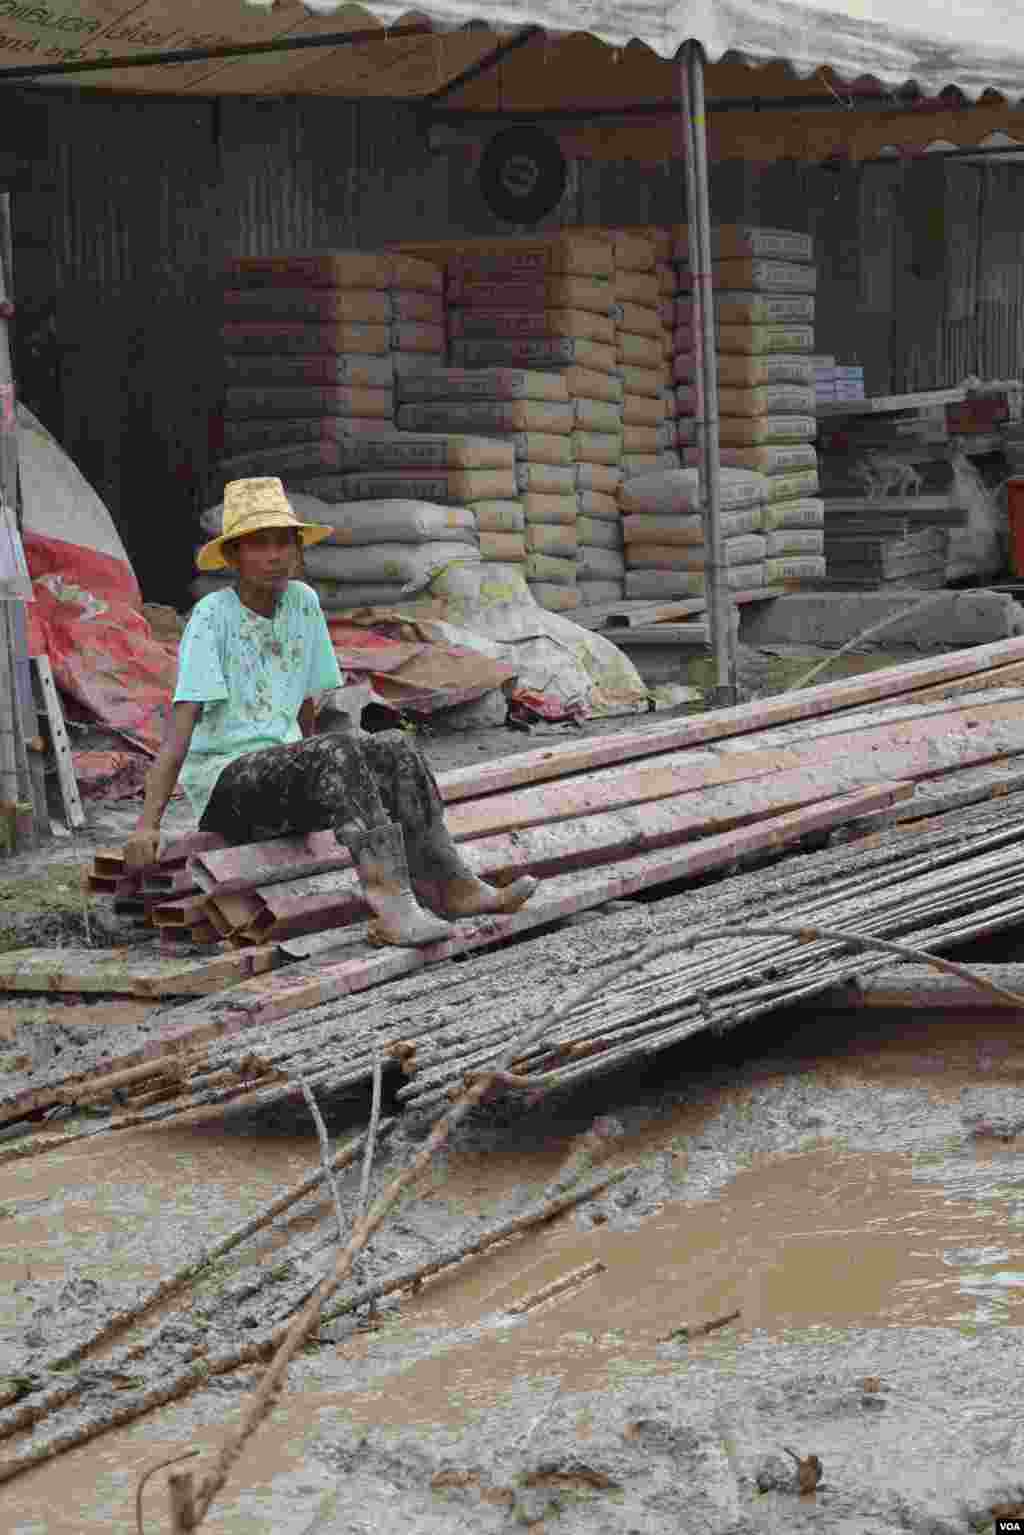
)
(73, 812)
(630, 614)
(666, 634)
(918, 744)
(890, 404)
(124, 972)
(1000, 677)
(182, 913)
(312, 983)
(556, 761)
(921, 988)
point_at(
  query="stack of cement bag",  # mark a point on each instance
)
(664, 533)
(643, 345)
(530, 518)
(309, 344)
(764, 312)
(380, 554)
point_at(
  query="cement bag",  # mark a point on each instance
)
(745, 242)
(750, 309)
(757, 340)
(599, 534)
(769, 460)
(558, 353)
(674, 492)
(689, 583)
(977, 549)
(402, 522)
(426, 308)
(647, 382)
(401, 564)
(339, 269)
(409, 450)
(593, 504)
(599, 564)
(551, 538)
(792, 568)
(454, 487)
(597, 448)
(638, 288)
(577, 324)
(507, 547)
(794, 541)
(741, 372)
(550, 567)
(447, 384)
(559, 510)
(545, 480)
(338, 337)
(642, 410)
(640, 319)
(533, 293)
(555, 599)
(342, 596)
(307, 508)
(309, 304)
(689, 529)
(641, 439)
(739, 431)
(758, 276)
(541, 448)
(639, 351)
(597, 416)
(550, 654)
(568, 254)
(267, 432)
(499, 516)
(746, 549)
(594, 593)
(349, 370)
(277, 400)
(587, 384)
(790, 488)
(415, 336)
(792, 514)
(601, 479)
(768, 400)
(634, 464)
(486, 416)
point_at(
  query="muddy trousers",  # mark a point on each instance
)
(338, 782)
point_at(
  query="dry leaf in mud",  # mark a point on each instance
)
(808, 1471)
(871, 1384)
(698, 1329)
(1007, 1510)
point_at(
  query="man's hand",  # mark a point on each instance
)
(141, 849)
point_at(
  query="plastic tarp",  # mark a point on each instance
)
(411, 669)
(86, 609)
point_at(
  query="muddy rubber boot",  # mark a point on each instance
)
(379, 857)
(445, 883)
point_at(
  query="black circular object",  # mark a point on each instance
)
(522, 175)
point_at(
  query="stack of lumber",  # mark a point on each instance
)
(309, 346)
(148, 894)
(764, 311)
(864, 553)
(643, 810)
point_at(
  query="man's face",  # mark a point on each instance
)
(266, 561)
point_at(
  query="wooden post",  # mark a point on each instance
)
(21, 784)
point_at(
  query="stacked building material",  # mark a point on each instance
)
(664, 533)
(764, 312)
(384, 549)
(643, 346)
(529, 518)
(311, 344)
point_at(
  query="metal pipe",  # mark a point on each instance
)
(698, 218)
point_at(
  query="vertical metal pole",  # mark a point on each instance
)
(721, 607)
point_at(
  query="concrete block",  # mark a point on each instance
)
(944, 620)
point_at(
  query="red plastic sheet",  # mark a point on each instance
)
(86, 618)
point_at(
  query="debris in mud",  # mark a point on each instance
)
(808, 1471)
(995, 1112)
(699, 1329)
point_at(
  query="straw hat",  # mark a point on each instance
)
(249, 507)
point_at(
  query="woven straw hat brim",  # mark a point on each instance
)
(211, 555)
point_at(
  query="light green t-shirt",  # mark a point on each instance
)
(252, 675)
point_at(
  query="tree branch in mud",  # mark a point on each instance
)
(169, 1460)
(325, 1156)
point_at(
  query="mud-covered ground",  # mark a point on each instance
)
(851, 1184)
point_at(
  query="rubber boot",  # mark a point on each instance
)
(379, 856)
(445, 883)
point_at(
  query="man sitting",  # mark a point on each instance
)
(241, 738)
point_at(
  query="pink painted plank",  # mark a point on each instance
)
(807, 703)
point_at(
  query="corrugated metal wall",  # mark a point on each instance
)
(132, 205)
